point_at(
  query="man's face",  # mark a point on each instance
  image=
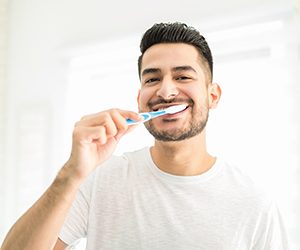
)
(173, 74)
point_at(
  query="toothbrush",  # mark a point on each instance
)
(153, 114)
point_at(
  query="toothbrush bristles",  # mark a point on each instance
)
(175, 109)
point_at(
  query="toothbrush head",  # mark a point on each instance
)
(175, 109)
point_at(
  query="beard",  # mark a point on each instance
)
(195, 126)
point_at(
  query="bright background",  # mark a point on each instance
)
(60, 60)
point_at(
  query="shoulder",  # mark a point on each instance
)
(243, 187)
(258, 207)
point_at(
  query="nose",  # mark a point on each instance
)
(167, 89)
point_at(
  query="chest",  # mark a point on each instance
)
(153, 215)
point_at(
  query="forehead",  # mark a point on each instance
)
(170, 55)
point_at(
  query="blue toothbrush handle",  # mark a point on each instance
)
(131, 122)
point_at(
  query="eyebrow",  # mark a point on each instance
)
(184, 68)
(150, 70)
(175, 69)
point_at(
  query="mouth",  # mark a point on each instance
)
(164, 106)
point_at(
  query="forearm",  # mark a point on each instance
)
(38, 228)
(95, 137)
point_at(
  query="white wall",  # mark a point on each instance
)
(46, 36)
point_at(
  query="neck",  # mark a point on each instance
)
(186, 158)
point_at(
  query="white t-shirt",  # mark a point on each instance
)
(129, 203)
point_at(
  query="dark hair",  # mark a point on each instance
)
(176, 33)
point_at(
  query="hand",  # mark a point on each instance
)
(95, 138)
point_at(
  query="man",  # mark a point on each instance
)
(174, 195)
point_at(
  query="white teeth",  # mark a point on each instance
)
(162, 108)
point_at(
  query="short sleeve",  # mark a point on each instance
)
(272, 233)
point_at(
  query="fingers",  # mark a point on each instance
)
(99, 118)
(87, 135)
(104, 125)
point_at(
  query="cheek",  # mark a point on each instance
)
(145, 95)
(198, 95)
(195, 93)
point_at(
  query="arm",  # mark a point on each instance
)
(94, 139)
(271, 232)
(60, 245)
(39, 226)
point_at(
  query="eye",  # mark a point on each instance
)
(151, 80)
(183, 78)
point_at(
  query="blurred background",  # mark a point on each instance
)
(60, 60)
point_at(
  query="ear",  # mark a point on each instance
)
(214, 95)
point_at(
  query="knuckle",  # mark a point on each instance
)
(83, 118)
(78, 123)
(101, 131)
(114, 111)
(112, 130)
(76, 132)
(106, 116)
